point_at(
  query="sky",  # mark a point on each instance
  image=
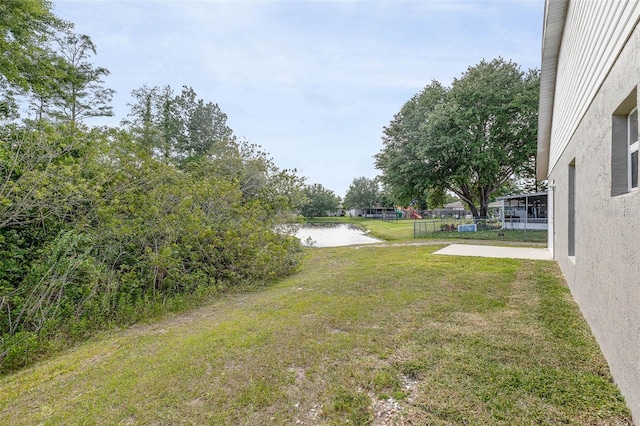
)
(313, 82)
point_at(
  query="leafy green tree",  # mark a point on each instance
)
(193, 135)
(178, 128)
(47, 193)
(155, 121)
(362, 193)
(401, 159)
(43, 176)
(142, 120)
(320, 200)
(278, 191)
(79, 93)
(471, 139)
(26, 61)
(204, 126)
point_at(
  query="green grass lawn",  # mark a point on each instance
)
(358, 335)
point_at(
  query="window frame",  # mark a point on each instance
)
(621, 151)
(632, 148)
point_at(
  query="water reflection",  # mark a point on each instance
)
(333, 235)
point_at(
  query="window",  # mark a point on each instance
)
(571, 231)
(624, 146)
(632, 137)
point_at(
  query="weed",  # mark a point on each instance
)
(349, 407)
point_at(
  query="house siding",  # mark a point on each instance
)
(604, 275)
(595, 32)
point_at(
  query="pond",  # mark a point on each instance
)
(333, 235)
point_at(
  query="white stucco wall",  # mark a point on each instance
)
(604, 275)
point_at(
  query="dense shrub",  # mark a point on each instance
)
(105, 232)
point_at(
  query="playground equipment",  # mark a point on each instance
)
(409, 212)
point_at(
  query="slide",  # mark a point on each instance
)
(415, 215)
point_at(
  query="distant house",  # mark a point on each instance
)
(454, 209)
(373, 212)
(456, 205)
(588, 151)
(340, 211)
(459, 210)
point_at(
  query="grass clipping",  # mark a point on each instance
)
(372, 335)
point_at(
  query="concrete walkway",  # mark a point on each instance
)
(494, 251)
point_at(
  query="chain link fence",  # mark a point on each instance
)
(481, 229)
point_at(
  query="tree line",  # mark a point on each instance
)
(100, 226)
(363, 193)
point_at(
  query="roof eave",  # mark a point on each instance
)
(555, 14)
(524, 195)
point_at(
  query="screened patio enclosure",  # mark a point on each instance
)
(524, 211)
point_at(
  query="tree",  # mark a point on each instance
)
(25, 63)
(362, 193)
(59, 80)
(79, 92)
(320, 201)
(400, 160)
(471, 139)
(191, 134)
(178, 128)
(204, 125)
(43, 177)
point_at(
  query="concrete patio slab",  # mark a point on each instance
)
(494, 251)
